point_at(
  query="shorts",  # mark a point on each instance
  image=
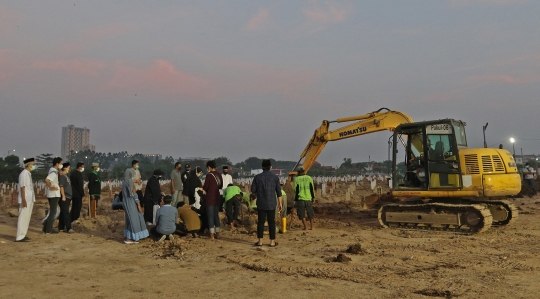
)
(289, 210)
(302, 206)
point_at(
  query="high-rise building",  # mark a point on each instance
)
(75, 139)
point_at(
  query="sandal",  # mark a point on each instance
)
(275, 244)
(257, 244)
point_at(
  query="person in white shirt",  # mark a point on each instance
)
(26, 200)
(53, 195)
(528, 177)
(227, 178)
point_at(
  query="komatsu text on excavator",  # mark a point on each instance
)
(446, 185)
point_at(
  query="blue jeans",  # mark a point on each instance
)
(213, 218)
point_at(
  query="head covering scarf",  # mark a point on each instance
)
(129, 174)
(127, 184)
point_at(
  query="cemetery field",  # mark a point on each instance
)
(347, 255)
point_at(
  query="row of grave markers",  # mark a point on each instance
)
(325, 184)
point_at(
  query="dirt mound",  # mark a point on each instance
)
(355, 249)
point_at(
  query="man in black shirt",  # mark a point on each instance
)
(94, 188)
(152, 197)
(64, 221)
(77, 184)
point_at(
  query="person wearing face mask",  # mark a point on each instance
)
(94, 189)
(153, 196)
(138, 180)
(53, 195)
(77, 184)
(64, 221)
(26, 200)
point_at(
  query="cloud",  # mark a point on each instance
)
(80, 66)
(505, 78)
(228, 80)
(330, 13)
(162, 77)
(462, 3)
(258, 20)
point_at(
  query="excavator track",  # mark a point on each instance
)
(502, 211)
(465, 218)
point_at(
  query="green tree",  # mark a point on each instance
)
(117, 172)
(223, 161)
(533, 163)
(347, 163)
(44, 161)
(10, 169)
(166, 165)
(253, 163)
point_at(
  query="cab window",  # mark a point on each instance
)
(439, 147)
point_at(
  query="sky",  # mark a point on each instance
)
(256, 78)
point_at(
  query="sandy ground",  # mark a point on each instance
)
(94, 263)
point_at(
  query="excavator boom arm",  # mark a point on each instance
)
(368, 123)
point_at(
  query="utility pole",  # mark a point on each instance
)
(512, 140)
(484, 131)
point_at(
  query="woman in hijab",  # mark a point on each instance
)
(135, 228)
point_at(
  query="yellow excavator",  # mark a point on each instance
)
(446, 185)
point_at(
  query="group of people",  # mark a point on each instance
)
(166, 212)
(65, 190)
(191, 209)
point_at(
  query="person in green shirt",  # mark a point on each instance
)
(304, 196)
(233, 195)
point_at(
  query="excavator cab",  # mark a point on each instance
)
(430, 154)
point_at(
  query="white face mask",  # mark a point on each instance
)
(97, 170)
(82, 169)
(60, 167)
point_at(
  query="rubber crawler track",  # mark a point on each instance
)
(482, 210)
(507, 205)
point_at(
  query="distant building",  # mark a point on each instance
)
(279, 171)
(189, 159)
(256, 171)
(276, 171)
(75, 139)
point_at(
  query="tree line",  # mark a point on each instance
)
(114, 165)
